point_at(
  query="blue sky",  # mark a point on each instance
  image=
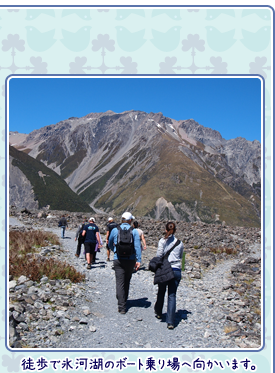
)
(231, 106)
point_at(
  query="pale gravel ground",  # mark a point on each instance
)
(199, 316)
(198, 323)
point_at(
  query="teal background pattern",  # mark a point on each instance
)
(141, 40)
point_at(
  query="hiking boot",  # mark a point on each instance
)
(77, 255)
(170, 326)
(89, 266)
(108, 259)
(122, 312)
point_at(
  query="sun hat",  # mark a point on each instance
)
(110, 219)
(92, 219)
(127, 216)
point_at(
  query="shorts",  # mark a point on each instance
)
(89, 247)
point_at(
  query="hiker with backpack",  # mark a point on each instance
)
(79, 237)
(170, 249)
(124, 241)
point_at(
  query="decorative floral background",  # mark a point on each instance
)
(141, 40)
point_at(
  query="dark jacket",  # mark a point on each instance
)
(63, 222)
(164, 273)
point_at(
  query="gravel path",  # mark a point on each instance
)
(95, 323)
(90, 320)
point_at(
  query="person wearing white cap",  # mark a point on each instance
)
(91, 233)
(110, 226)
(124, 241)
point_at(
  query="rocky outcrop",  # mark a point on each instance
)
(244, 157)
(20, 189)
(32, 303)
(241, 155)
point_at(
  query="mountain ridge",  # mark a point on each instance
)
(103, 156)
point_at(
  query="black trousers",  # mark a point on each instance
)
(123, 272)
(79, 243)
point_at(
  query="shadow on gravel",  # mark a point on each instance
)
(180, 315)
(66, 238)
(98, 265)
(141, 303)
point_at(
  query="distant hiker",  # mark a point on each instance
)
(97, 249)
(79, 237)
(141, 236)
(63, 224)
(110, 226)
(175, 258)
(125, 242)
(91, 233)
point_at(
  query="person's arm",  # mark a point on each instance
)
(98, 239)
(111, 241)
(107, 236)
(160, 250)
(143, 241)
(77, 232)
(83, 232)
(137, 248)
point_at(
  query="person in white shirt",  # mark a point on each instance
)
(175, 258)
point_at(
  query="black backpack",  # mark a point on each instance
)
(125, 242)
(111, 226)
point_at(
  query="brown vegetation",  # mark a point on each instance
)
(221, 249)
(23, 261)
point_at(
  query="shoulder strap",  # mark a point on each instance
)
(172, 248)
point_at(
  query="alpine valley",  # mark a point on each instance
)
(145, 163)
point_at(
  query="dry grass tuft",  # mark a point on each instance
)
(26, 242)
(221, 249)
(22, 262)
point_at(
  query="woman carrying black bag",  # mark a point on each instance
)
(175, 257)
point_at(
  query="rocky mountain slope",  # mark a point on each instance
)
(152, 165)
(33, 185)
